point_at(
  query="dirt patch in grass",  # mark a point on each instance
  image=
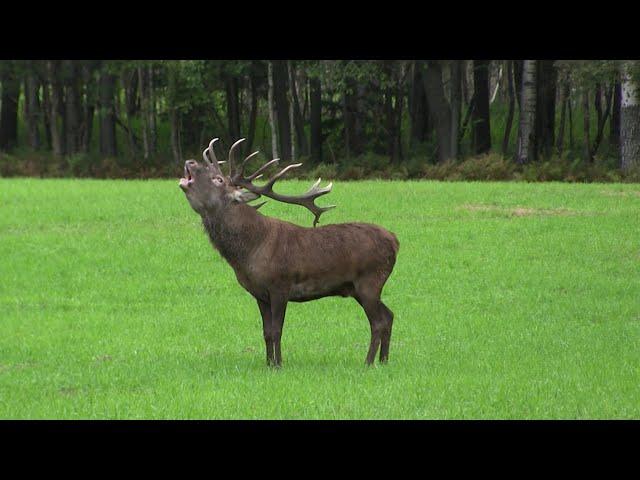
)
(624, 193)
(519, 211)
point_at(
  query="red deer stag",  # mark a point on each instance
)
(277, 261)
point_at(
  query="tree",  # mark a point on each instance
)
(480, 116)
(315, 100)
(526, 131)
(9, 106)
(107, 115)
(439, 108)
(629, 119)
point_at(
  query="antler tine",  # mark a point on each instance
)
(306, 200)
(208, 152)
(244, 163)
(257, 173)
(273, 179)
(232, 167)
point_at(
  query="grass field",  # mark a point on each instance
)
(512, 300)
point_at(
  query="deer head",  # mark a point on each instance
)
(208, 189)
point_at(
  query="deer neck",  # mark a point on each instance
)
(235, 230)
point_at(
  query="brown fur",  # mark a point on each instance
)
(278, 262)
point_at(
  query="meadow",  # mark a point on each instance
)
(511, 300)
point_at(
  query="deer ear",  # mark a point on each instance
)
(244, 196)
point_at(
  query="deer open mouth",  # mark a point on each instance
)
(187, 179)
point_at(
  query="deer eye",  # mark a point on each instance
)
(218, 180)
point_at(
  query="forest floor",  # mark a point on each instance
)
(512, 300)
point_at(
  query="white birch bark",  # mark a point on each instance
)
(527, 112)
(629, 120)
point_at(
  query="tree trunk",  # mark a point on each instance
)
(518, 66)
(315, 107)
(282, 108)
(174, 114)
(526, 131)
(9, 110)
(298, 120)
(144, 109)
(88, 108)
(151, 104)
(629, 121)
(564, 100)
(586, 124)
(72, 108)
(614, 128)
(352, 139)
(456, 105)
(544, 138)
(32, 109)
(108, 145)
(53, 100)
(233, 107)
(253, 113)
(511, 93)
(480, 117)
(602, 119)
(272, 113)
(439, 108)
(418, 109)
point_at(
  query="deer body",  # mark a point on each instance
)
(277, 261)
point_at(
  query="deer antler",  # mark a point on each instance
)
(208, 152)
(306, 200)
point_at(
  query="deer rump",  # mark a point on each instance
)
(310, 263)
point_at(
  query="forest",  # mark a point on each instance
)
(534, 120)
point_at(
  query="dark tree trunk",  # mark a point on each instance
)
(352, 139)
(439, 109)
(564, 101)
(144, 109)
(418, 108)
(517, 77)
(614, 129)
(131, 99)
(88, 108)
(32, 109)
(512, 102)
(253, 112)
(151, 95)
(602, 118)
(480, 118)
(107, 115)
(9, 110)
(282, 108)
(53, 100)
(298, 120)
(586, 142)
(72, 107)
(315, 107)
(545, 109)
(456, 105)
(233, 107)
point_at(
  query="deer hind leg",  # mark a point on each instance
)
(367, 293)
(265, 311)
(386, 333)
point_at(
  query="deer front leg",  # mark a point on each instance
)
(265, 311)
(278, 310)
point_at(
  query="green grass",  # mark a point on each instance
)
(512, 300)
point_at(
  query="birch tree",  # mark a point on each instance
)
(524, 150)
(629, 119)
